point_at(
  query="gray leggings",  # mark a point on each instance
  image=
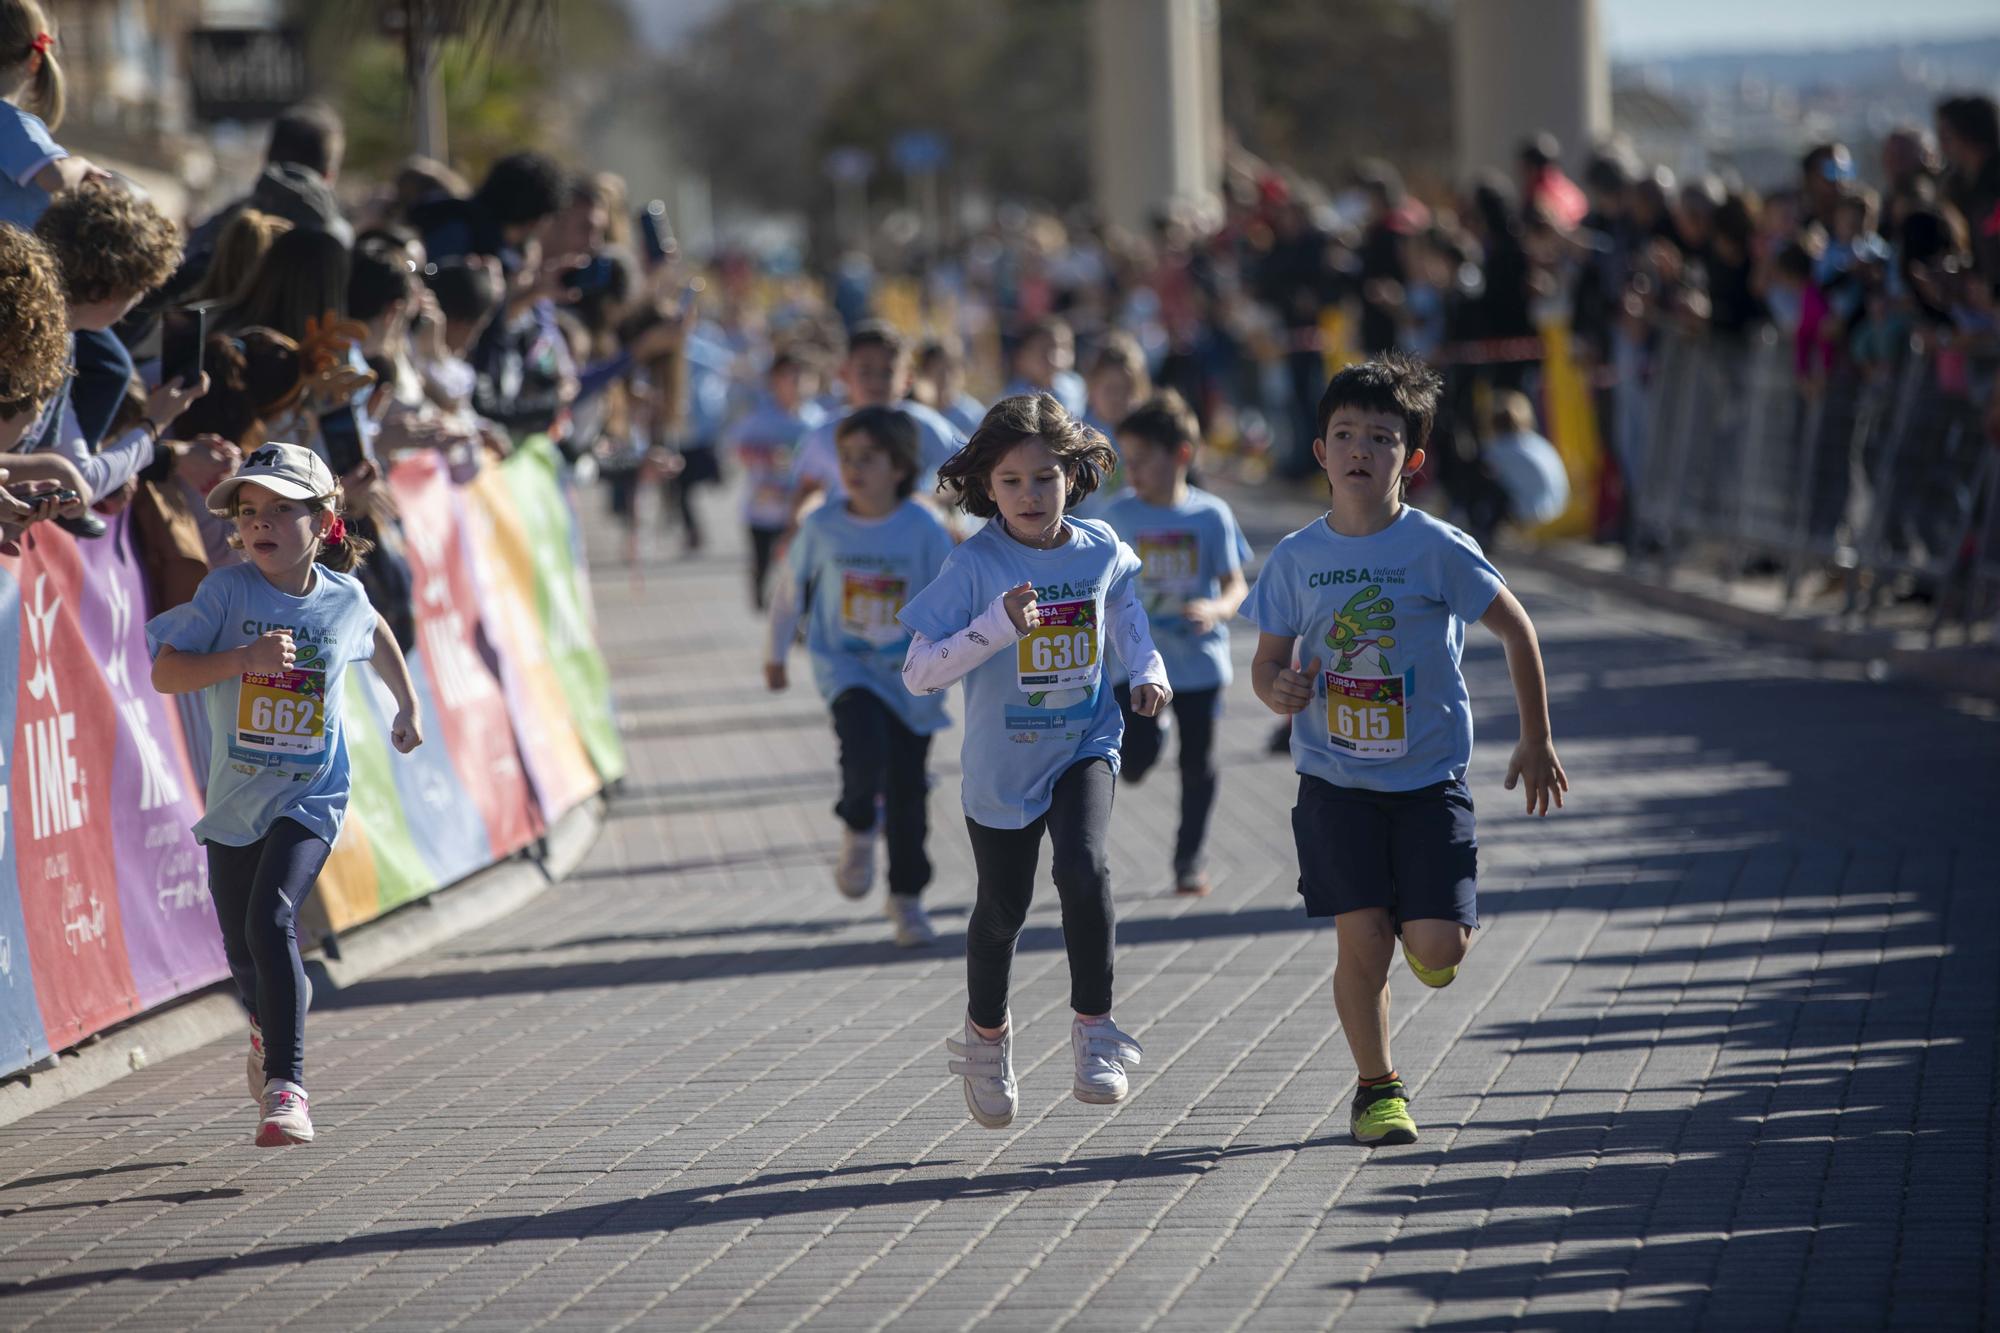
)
(1078, 817)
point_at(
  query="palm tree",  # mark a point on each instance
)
(481, 25)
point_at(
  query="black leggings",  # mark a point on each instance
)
(257, 892)
(763, 547)
(1194, 713)
(879, 756)
(1078, 817)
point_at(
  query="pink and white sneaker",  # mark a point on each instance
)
(285, 1119)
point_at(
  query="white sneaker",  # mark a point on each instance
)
(913, 923)
(1102, 1052)
(285, 1118)
(987, 1065)
(855, 875)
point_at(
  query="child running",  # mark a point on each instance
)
(852, 566)
(1191, 556)
(270, 641)
(1021, 612)
(762, 443)
(1373, 600)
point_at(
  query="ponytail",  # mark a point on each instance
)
(24, 32)
(344, 549)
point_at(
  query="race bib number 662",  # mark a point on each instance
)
(282, 714)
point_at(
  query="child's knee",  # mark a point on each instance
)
(1437, 944)
(1080, 871)
(1367, 941)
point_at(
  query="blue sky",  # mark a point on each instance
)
(1645, 27)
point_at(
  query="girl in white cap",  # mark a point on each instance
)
(270, 640)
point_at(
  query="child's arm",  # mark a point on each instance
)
(1132, 634)
(931, 667)
(1205, 613)
(406, 733)
(785, 615)
(1283, 690)
(66, 173)
(1535, 755)
(271, 654)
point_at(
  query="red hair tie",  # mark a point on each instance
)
(337, 534)
(43, 43)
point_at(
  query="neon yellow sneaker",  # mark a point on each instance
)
(1435, 977)
(1382, 1115)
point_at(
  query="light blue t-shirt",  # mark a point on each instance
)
(279, 750)
(1185, 552)
(25, 148)
(1038, 706)
(851, 576)
(762, 442)
(1385, 616)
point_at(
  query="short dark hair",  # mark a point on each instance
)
(875, 333)
(892, 431)
(787, 358)
(308, 135)
(1087, 457)
(1391, 383)
(522, 188)
(1164, 421)
(377, 278)
(1973, 117)
(465, 292)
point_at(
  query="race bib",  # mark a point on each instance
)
(868, 606)
(1169, 559)
(1366, 716)
(1061, 651)
(283, 714)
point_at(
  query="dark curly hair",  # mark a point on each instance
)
(34, 324)
(107, 241)
(1087, 457)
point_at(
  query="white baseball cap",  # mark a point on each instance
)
(289, 470)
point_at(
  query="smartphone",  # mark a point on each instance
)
(592, 278)
(340, 432)
(656, 231)
(183, 335)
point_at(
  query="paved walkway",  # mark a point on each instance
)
(1723, 1055)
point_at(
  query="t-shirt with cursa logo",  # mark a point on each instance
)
(852, 575)
(279, 750)
(763, 442)
(1036, 707)
(1385, 615)
(1185, 551)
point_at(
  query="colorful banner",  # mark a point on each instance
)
(104, 905)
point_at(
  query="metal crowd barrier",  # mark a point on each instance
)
(1889, 479)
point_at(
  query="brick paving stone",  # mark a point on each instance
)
(1724, 1054)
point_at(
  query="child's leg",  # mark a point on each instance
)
(1195, 711)
(232, 875)
(1361, 986)
(1005, 860)
(1140, 749)
(906, 817)
(1435, 847)
(292, 859)
(861, 723)
(763, 543)
(1079, 817)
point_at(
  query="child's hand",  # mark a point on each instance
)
(165, 404)
(406, 733)
(1292, 691)
(1202, 613)
(1020, 604)
(1148, 700)
(270, 654)
(1536, 761)
(776, 678)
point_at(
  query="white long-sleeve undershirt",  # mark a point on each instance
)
(932, 666)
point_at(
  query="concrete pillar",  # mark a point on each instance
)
(1520, 66)
(1156, 106)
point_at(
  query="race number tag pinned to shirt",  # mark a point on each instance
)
(1366, 716)
(282, 714)
(1168, 560)
(868, 606)
(1061, 651)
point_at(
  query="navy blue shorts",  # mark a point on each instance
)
(1412, 853)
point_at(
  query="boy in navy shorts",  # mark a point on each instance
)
(1372, 602)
